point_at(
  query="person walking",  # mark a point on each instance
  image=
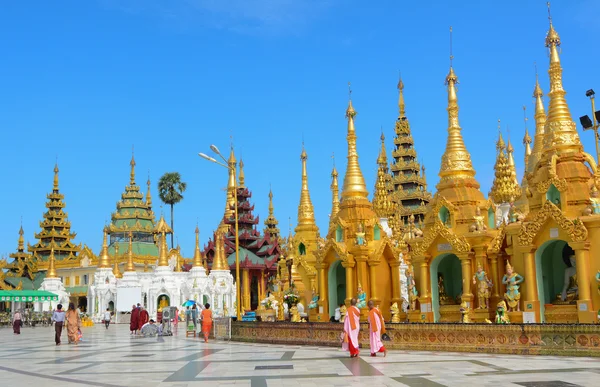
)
(59, 318)
(351, 329)
(376, 329)
(206, 316)
(17, 323)
(107, 318)
(194, 313)
(73, 324)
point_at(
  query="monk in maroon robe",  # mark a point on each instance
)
(143, 318)
(135, 320)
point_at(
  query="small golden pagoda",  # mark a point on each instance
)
(305, 239)
(409, 181)
(271, 222)
(455, 236)
(357, 252)
(383, 205)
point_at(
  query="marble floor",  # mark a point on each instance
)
(113, 358)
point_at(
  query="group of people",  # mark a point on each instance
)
(71, 319)
(139, 317)
(191, 316)
(352, 329)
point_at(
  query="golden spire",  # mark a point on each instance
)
(335, 193)
(456, 160)
(130, 266)
(219, 260)
(163, 229)
(561, 131)
(21, 246)
(230, 198)
(116, 270)
(401, 106)
(306, 212)
(242, 176)
(382, 158)
(148, 197)
(509, 153)
(104, 258)
(526, 139)
(132, 174)
(197, 253)
(51, 273)
(540, 122)
(56, 177)
(271, 222)
(505, 188)
(354, 182)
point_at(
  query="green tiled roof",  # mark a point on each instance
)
(139, 248)
(243, 254)
(27, 283)
(77, 289)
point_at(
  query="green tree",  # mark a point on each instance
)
(170, 190)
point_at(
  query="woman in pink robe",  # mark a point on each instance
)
(351, 329)
(375, 330)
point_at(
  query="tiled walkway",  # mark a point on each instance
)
(113, 358)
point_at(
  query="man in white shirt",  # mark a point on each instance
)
(338, 315)
(106, 318)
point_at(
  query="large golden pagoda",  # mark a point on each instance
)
(409, 181)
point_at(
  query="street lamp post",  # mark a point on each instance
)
(593, 123)
(237, 238)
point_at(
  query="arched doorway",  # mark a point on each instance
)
(554, 270)
(337, 286)
(445, 271)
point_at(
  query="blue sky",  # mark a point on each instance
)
(84, 81)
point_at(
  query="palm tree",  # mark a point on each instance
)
(170, 190)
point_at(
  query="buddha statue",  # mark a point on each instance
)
(163, 303)
(413, 294)
(483, 287)
(395, 311)
(512, 281)
(343, 311)
(361, 297)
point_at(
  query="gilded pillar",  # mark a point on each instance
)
(467, 277)
(582, 265)
(424, 280)
(360, 255)
(495, 278)
(322, 288)
(261, 286)
(349, 266)
(396, 295)
(373, 281)
(530, 281)
(246, 292)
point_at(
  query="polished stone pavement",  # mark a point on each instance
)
(113, 358)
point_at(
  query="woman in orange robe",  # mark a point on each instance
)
(206, 317)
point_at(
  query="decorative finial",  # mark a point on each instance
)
(451, 56)
(333, 159)
(549, 13)
(132, 163)
(349, 92)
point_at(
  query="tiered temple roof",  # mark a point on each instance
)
(408, 177)
(56, 230)
(22, 271)
(134, 216)
(256, 251)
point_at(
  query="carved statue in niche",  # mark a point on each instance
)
(360, 235)
(483, 287)
(412, 288)
(361, 298)
(512, 281)
(479, 224)
(595, 201)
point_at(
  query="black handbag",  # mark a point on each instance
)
(385, 337)
(21, 323)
